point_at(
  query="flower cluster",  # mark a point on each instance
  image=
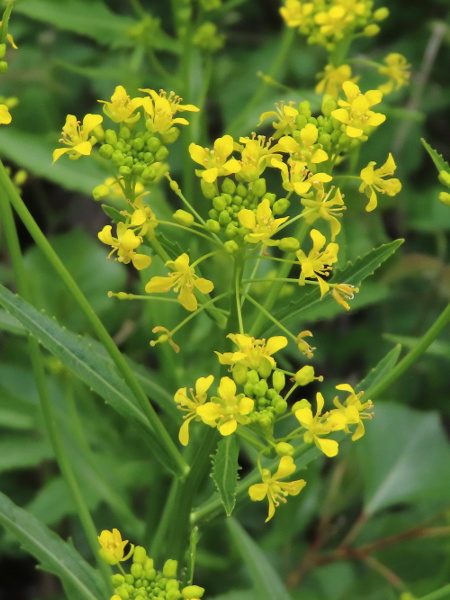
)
(143, 582)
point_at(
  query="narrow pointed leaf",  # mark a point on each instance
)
(225, 471)
(379, 372)
(438, 159)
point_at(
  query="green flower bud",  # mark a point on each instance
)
(271, 198)
(213, 226)
(325, 139)
(139, 555)
(3, 66)
(265, 369)
(249, 388)
(228, 186)
(280, 206)
(172, 595)
(125, 171)
(259, 187)
(305, 375)
(138, 144)
(444, 178)
(183, 218)
(231, 231)
(209, 189)
(284, 449)
(136, 570)
(328, 104)
(253, 376)
(153, 144)
(117, 158)
(444, 197)
(161, 154)
(371, 30)
(129, 579)
(149, 174)
(278, 380)
(192, 591)
(106, 150)
(289, 244)
(117, 579)
(170, 568)
(300, 121)
(150, 574)
(381, 13)
(231, 247)
(111, 137)
(224, 217)
(241, 190)
(100, 192)
(123, 593)
(124, 132)
(240, 374)
(219, 203)
(304, 108)
(261, 387)
(237, 202)
(265, 421)
(171, 135)
(280, 407)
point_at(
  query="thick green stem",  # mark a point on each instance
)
(48, 411)
(406, 362)
(170, 454)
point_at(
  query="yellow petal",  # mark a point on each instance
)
(228, 427)
(187, 299)
(204, 285)
(258, 491)
(329, 447)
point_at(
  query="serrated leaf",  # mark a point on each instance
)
(172, 248)
(266, 581)
(76, 355)
(379, 372)
(438, 159)
(114, 214)
(352, 273)
(225, 471)
(79, 579)
(95, 20)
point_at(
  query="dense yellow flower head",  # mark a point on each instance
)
(78, 137)
(227, 409)
(183, 280)
(316, 425)
(125, 245)
(275, 490)
(397, 70)
(122, 108)
(253, 353)
(317, 264)
(355, 111)
(373, 181)
(190, 405)
(332, 78)
(295, 12)
(261, 225)
(216, 162)
(113, 547)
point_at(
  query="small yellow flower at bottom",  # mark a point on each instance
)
(275, 490)
(182, 280)
(113, 547)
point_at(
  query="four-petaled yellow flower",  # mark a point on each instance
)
(190, 405)
(113, 547)
(373, 181)
(227, 409)
(318, 263)
(352, 412)
(121, 109)
(298, 178)
(216, 161)
(305, 147)
(295, 12)
(332, 79)
(275, 490)
(182, 280)
(325, 207)
(5, 115)
(161, 108)
(257, 153)
(317, 426)
(261, 225)
(397, 70)
(79, 138)
(125, 245)
(253, 353)
(355, 113)
(286, 115)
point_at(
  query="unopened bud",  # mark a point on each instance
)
(444, 197)
(371, 30)
(192, 591)
(170, 568)
(444, 178)
(289, 244)
(100, 192)
(183, 217)
(240, 374)
(231, 247)
(381, 13)
(305, 375)
(284, 449)
(278, 380)
(209, 189)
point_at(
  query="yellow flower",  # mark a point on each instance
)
(305, 147)
(372, 181)
(121, 107)
(227, 409)
(318, 263)
(215, 161)
(182, 280)
(112, 547)
(256, 154)
(161, 109)
(302, 345)
(352, 412)
(191, 405)
(397, 70)
(332, 79)
(295, 12)
(261, 225)
(334, 21)
(316, 425)
(275, 490)
(355, 113)
(339, 291)
(79, 138)
(297, 177)
(125, 245)
(253, 353)
(5, 116)
(286, 115)
(323, 206)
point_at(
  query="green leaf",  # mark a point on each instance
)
(21, 452)
(95, 20)
(77, 355)
(379, 372)
(438, 159)
(225, 471)
(79, 579)
(352, 273)
(115, 215)
(405, 457)
(9, 323)
(34, 154)
(266, 582)
(437, 348)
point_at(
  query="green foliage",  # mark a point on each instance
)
(225, 472)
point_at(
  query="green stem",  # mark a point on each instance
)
(279, 61)
(170, 454)
(442, 594)
(412, 356)
(48, 411)
(270, 317)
